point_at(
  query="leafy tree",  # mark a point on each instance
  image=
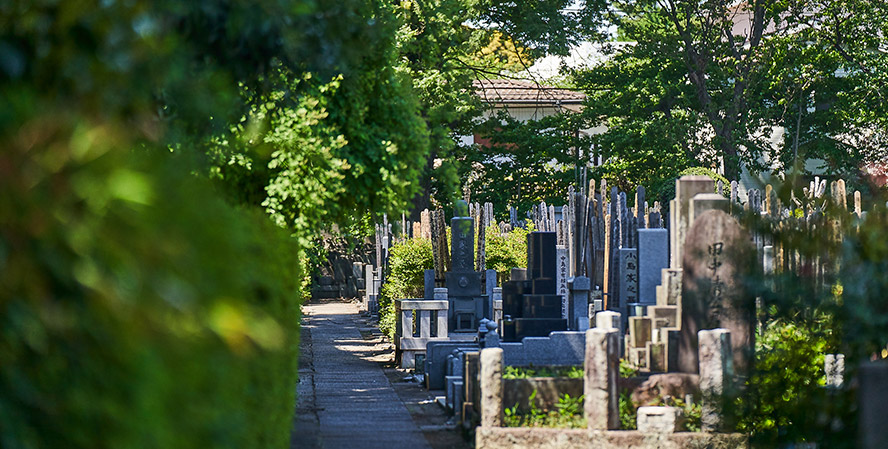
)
(708, 84)
(527, 162)
(825, 77)
(442, 46)
(682, 89)
(124, 275)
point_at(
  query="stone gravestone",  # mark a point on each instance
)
(628, 282)
(653, 257)
(466, 307)
(532, 305)
(703, 202)
(578, 309)
(718, 258)
(428, 283)
(681, 220)
(561, 257)
(489, 285)
(873, 404)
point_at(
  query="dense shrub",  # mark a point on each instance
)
(408, 259)
(787, 384)
(810, 312)
(506, 251)
(136, 309)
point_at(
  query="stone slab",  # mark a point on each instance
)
(718, 260)
(549, 438)
(653, 257)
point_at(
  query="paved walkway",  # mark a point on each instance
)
(344, 400)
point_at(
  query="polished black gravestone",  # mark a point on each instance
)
(466, 304)
(531, 304)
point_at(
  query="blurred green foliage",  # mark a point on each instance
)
(786, 387)
(137, 309)
(826, 297)
(141, 305)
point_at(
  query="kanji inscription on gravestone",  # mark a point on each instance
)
(717, 260)
(563, 266)
(716, 287)
(629, 270)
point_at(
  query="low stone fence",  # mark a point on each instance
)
(548, 438)
(413, 330)
(657, 425)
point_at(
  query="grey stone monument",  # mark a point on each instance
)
(718, 259)
(681, 219)
(466, 307)
(561, 258)
(531, 306)
(578, 318)
(873, 404)
(628, 270)
(653, 257)
(428, 283)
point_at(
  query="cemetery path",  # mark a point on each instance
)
(345, 398)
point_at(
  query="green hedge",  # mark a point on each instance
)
(408, 260)
(506, 251)
(137, 310)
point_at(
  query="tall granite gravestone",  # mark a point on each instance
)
(703, 202)
(463, 282)
(681, 219)
(872, 400)
(718, 258)
(653, 257)
(532, 305)
(561, 258)
(428, 278)
(628, 283)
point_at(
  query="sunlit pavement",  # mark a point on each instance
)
(344, 399)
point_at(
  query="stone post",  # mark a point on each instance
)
(441, 315)
(873, 404)
(579, 303)
(497, 305)
(492, 387)
(601, 370)
(607, 320)
(716, 375)
(368, 286)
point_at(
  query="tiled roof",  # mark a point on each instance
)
(519, 91)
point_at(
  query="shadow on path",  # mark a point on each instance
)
(344, 399)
